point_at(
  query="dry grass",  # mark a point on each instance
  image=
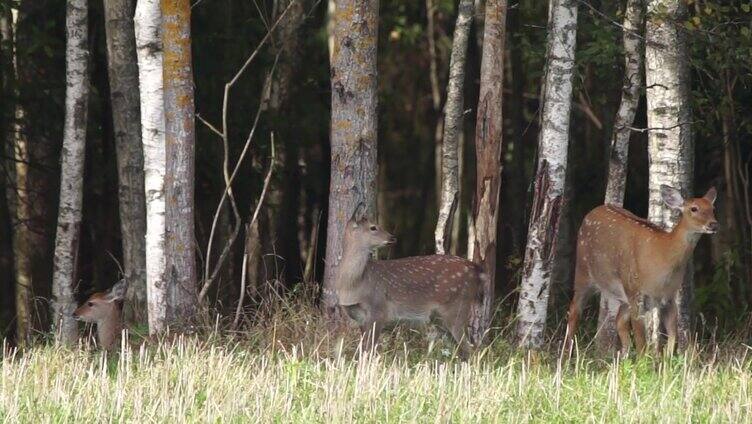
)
(289, 370)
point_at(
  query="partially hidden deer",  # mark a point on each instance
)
(623, 257)
(105, 310)
(375, 293)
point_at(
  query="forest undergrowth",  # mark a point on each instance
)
(287, 365)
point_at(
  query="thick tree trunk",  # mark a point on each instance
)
(353, 127)
(488, 135)
(670, 145)
(72, 172)
(551, 172)
(617, 165)
(453, 117)
(179, 174)
(148, 31)
(123, 76)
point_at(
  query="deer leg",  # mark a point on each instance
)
(670, 321)
(622, 327)
(459, 333)
(371, 330)
(575, 310)
(638, 326)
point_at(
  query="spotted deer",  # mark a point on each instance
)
(623, 256)
(375, 293)
(105, 310)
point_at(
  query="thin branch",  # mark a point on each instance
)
(209, 275)
(241, 298)
(210, 126)
(642, 130)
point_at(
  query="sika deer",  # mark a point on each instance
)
(104, 309)
(376, 293)
(623, 256)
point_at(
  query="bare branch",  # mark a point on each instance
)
(642, 130)
(210, 126)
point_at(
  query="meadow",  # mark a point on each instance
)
(287, 367)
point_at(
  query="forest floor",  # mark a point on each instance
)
(288, 370)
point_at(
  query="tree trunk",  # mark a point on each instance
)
(551, 172)
(123, 76)
(17, 184)
(670, 146)
(617, 165)
(353, 128)
(488, 134)
(517, 185)
(148, 21)
(283, 198)
(72, 172)
(453, 117)
(180, 147)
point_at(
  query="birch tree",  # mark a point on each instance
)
(670, 145)
(453, 116)
(353, 127)
(72, 171)
(123, 76)
(488, 134)
(617, 166)
(548, 195)
(148, 32)
(179, 173)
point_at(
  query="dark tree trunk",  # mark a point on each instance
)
(488, 135)
(353, 126)
(124, 95)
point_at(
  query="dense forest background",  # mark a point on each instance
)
(412, 75)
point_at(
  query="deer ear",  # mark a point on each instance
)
(672, 197)
(711, 195)
(117, 292)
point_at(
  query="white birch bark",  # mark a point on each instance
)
(72, 172)
(453, 116)
(148, 22)
(551, 172)
(618, 156)
(670, 144)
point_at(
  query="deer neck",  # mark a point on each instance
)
(682, 241)
(108, 330)
(352, 267)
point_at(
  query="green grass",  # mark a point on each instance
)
(289, 370)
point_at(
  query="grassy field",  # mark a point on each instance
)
(288, 371)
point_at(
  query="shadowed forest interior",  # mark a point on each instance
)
(289, 86)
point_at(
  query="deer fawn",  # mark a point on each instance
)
(376, 293)
(623, 256)
(104, 309)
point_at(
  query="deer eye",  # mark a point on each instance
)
(693, 208)
(373, 228)
(90, 303)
